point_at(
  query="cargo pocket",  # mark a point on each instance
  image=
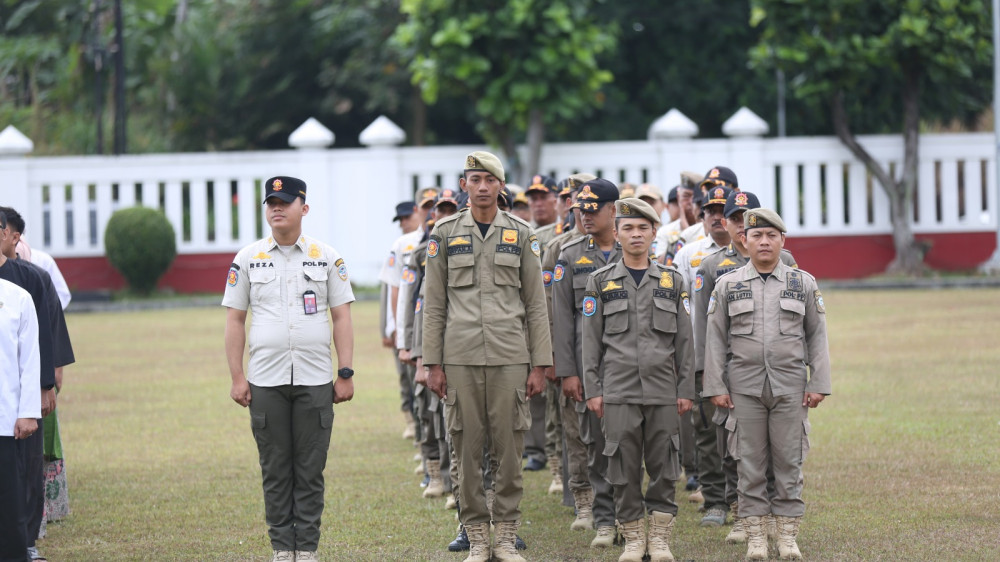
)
(451, 412)
(507, 269)
(461, 270)
(665, 315)
(616, 316)
(522, 411)
(792, 314)
(326, 419)
(741, 317)
(805, 439)
(673, 468)
(732, 438)
(258, 421)
(615, 474)
(263, 287)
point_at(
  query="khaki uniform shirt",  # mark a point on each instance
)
(546, 233)
(288, 346)
(411, 283)
(666, 238)
(637, 345)
(711, 269)
(689, 258)
(577, 260)
(550, 254)
(481, 292)
(693, 233)
(776, 330)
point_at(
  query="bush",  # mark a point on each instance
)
(140, 244)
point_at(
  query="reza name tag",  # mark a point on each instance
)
(309, 302)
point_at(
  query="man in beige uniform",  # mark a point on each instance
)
(732, 257)
(772, 319)
(577, 260)
(484, 297)
(291, 282)
(638, 372)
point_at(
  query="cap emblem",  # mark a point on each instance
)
(276, 185)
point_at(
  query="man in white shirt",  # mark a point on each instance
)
(20, 406)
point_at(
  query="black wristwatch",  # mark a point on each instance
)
(345, 373)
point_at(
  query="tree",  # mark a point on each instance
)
(909, 58)
(526, 64)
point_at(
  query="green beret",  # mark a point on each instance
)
(635, 208)
(482, 161)
(762, 218)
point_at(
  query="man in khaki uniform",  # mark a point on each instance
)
(733, 256)
(637, 308)
(577, 260)
(293, 284)
(485, 298)
(772, 320)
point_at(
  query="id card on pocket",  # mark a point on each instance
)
(309, 302)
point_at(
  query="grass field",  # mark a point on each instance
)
(162, 465)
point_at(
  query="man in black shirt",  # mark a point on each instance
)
(55, 350)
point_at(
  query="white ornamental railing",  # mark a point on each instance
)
(213, 200)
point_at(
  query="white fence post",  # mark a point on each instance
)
(746, 154)
(313, 167)
(14, 149)
(672, 134)
(381, 170)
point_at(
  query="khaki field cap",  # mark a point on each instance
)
(482, 161)
(635, 208)
(762, 218)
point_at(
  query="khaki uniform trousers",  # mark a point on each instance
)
(487, 406)
(776, 429)
(636, 433)
(553, 420)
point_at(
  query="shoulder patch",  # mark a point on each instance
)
(686, 301)
(536, 248)
(559, 272)
(589, 306)
(699, 282)
(432, 248)
(547, 278)
(342, 271)
(234, 275)
(339, 262)
(711, 302)
(819, 302)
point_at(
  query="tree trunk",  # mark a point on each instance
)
(909, 255)
(512, 170)
(536, 138)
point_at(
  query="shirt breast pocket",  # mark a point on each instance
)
(461, 270)
(665, 315)
(507, 269)
(616, 316)
(316, 281)
(792, 313)
(741, 317)
(263, 285)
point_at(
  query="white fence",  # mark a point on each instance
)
(214, 199)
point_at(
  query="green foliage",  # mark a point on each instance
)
(140, 244)
(508, 57)
(864, 48)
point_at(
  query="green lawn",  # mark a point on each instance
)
(162, 465)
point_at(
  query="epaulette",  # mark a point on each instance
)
(519, 219)
(448, 219)
(572, 243)
(604, 268)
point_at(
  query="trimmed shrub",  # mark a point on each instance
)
(140, 244)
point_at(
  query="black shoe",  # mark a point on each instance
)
(692, 483)
(519, 544)
(461, 542)
(534, 464)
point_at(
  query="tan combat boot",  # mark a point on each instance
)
(435, 486)
(756, 540)
(504, 549)
(555, 467)
(771, 527)
(788, 529)
(660, 526)
(451, 502)
(411, 426)
(584, 500)
(737, 534)
(479, 542)
(605, 537)
(696, 497)
(635, 541)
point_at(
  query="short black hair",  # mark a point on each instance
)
(13, 218)
(3, 220)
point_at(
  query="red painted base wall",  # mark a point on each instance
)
(844, 257)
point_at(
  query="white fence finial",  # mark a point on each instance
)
(672, 125)
(745, 123)
(382, 132)
(311, 134)
(14, 143)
